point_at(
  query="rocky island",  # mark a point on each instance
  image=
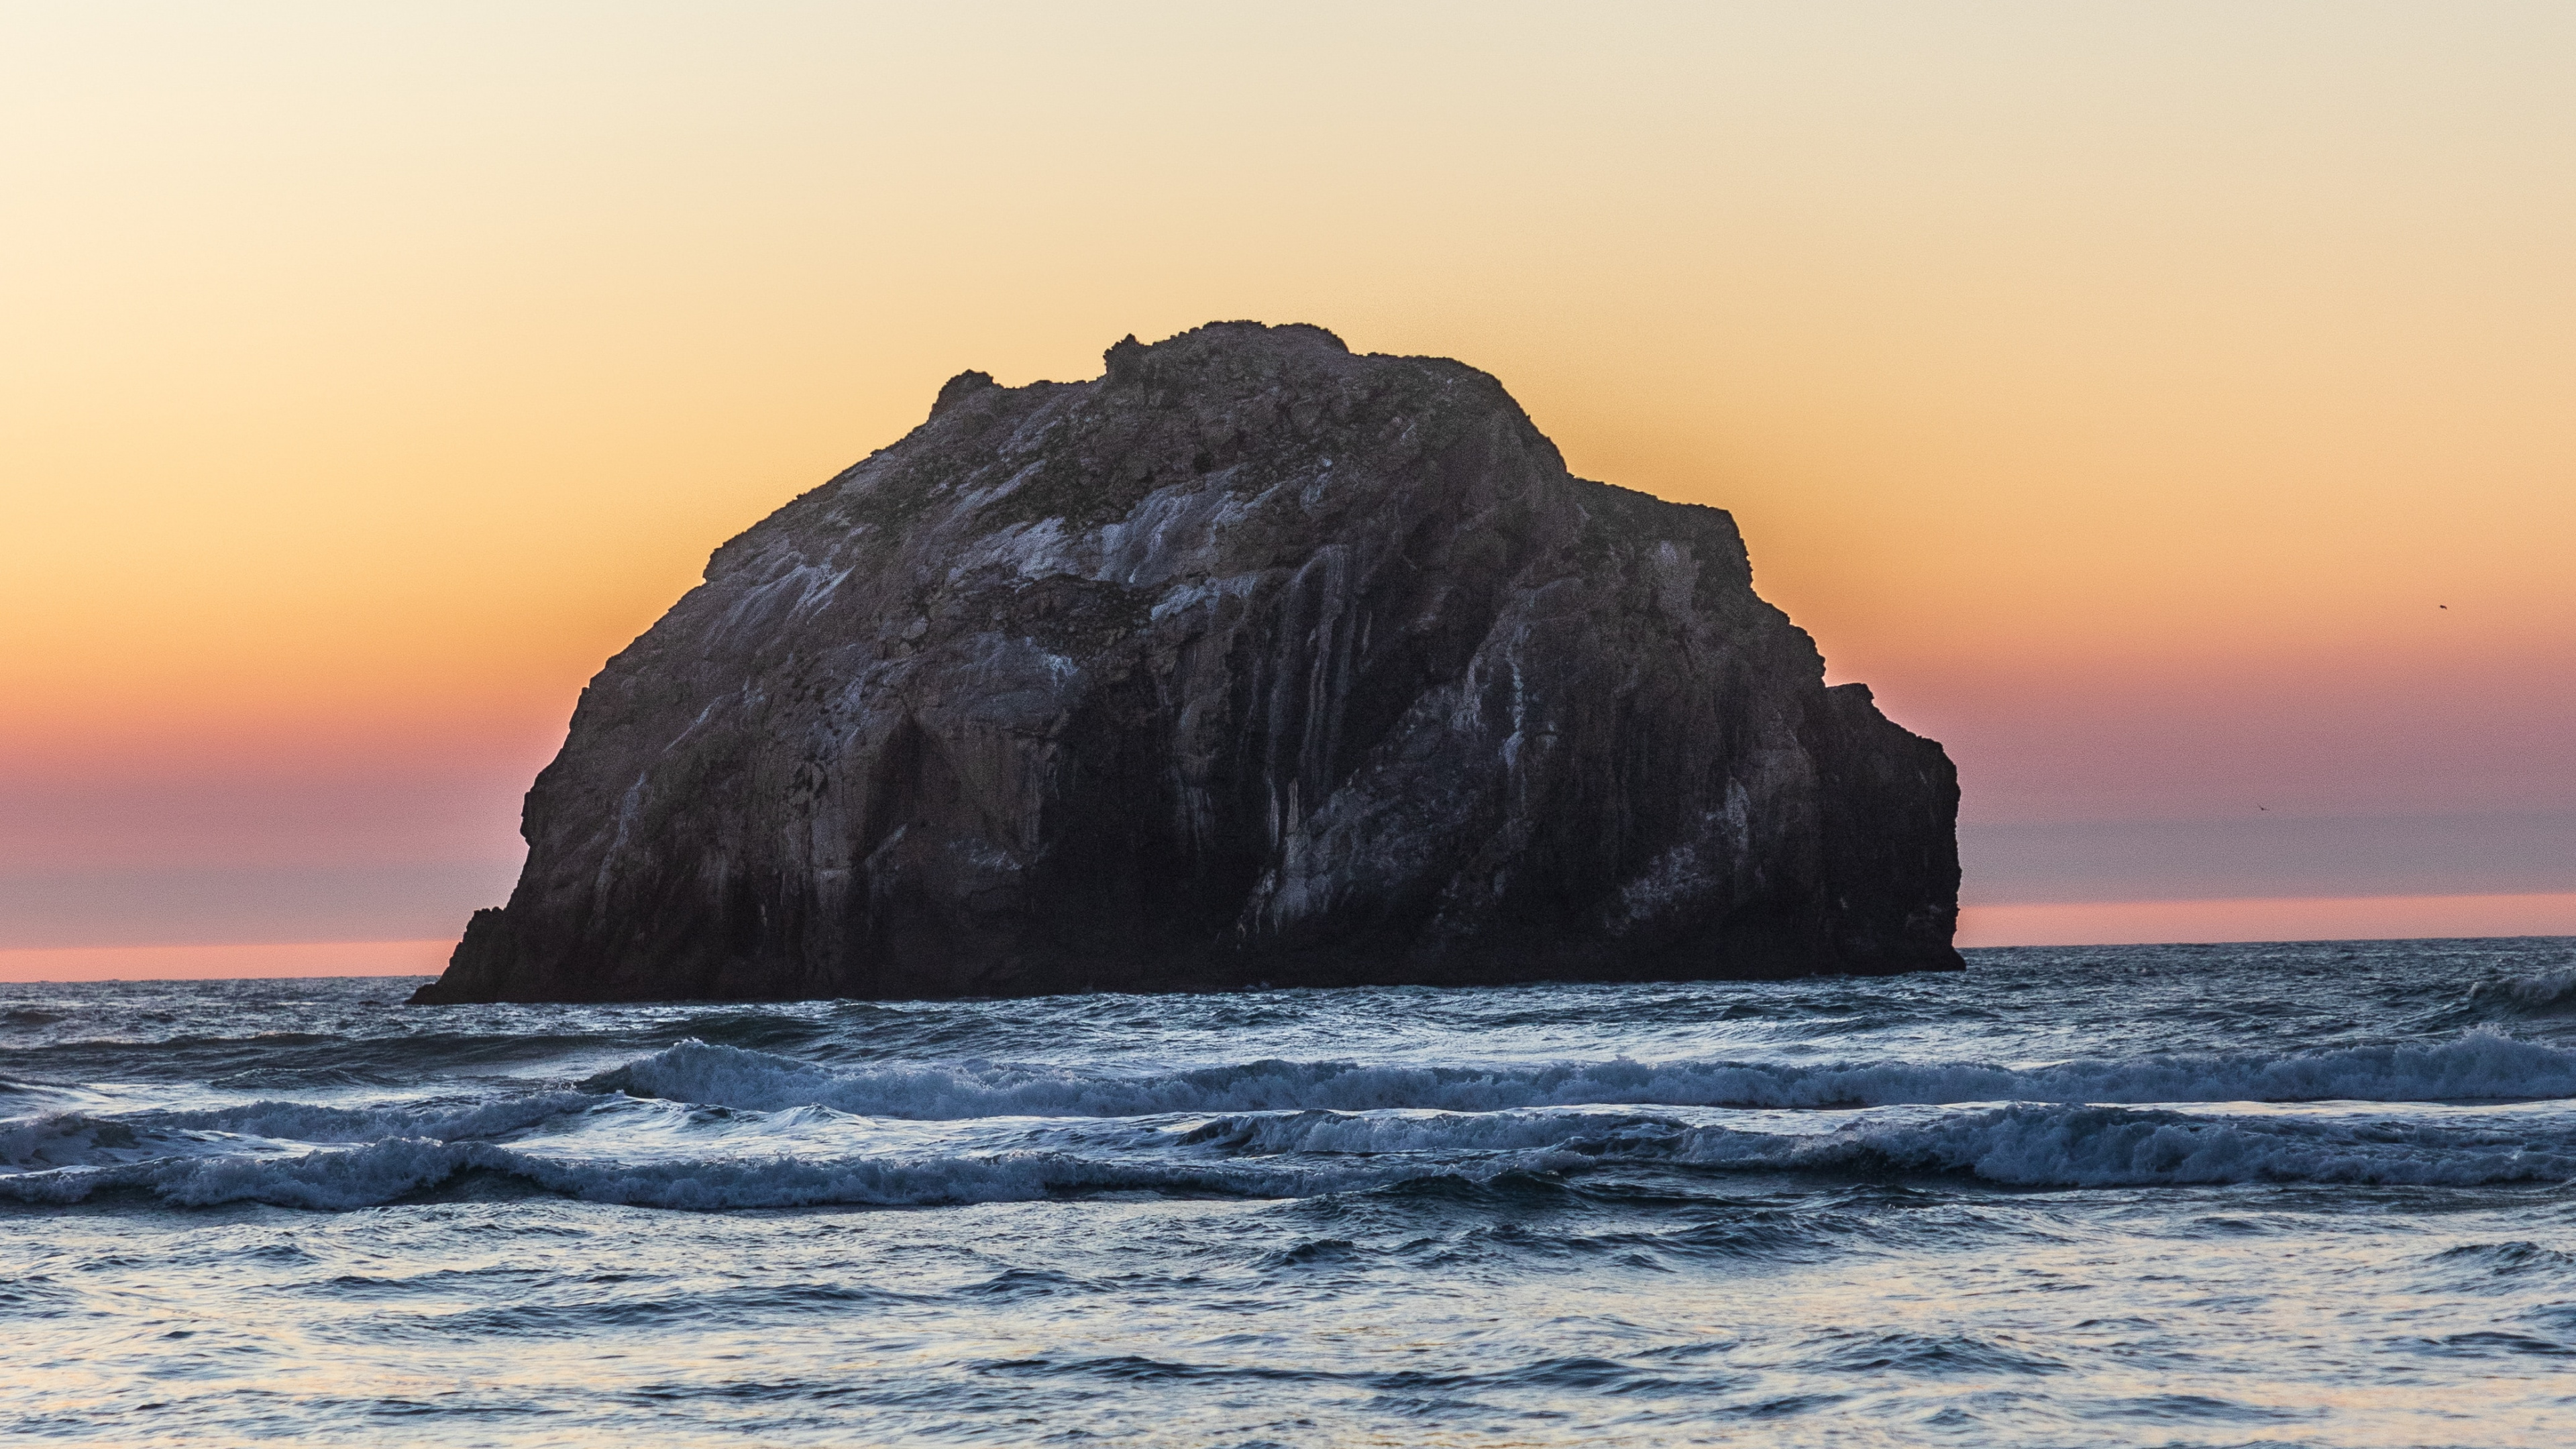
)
(1252, 661)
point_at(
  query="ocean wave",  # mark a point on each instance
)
(2478, 1066)
(1375, 1134)
(74, 1139)
(2541, 993)
(384, 1172)
(1305, 1154)
(2023, 1145)
(62, 1139)
(2069, 1147)
(446, 1121)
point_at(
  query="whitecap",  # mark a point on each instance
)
(2476, 1066)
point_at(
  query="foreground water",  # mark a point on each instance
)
(2147, 1195)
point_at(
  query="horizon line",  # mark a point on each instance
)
(2254, 920)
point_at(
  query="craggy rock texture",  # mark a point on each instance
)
(1252, 661)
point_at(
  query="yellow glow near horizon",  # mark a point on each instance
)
(370, 374)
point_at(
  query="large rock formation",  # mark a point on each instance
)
(1251, 661)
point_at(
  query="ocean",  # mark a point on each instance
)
(2161, 1195)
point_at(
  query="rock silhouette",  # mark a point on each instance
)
(1252, 661)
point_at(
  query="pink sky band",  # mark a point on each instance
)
(2076, 923)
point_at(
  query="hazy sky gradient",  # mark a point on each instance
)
(2119, 389)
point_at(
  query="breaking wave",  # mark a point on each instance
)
(2541, 993)
(74, 1139)
(1322, 1153)
(2022, 1146)
(2478, 1066)
(2055, 1146)
(383, 1172)
(1309, 1153)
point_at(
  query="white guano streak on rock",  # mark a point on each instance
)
(756, 604)
(1195, 592)
(693, 726)
(1170, 533)
(627, 809)
(1028, 550)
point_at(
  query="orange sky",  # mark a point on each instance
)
(2119, 389)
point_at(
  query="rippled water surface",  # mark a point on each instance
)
(2236, 1195)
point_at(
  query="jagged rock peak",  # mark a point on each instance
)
(1251, 660)
(964, 385)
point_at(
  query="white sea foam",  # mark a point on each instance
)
(2132, 1267)
(2478, 1066)
(1308, 1153)
(60, 1139)
(75, 1139)
(730, 1127)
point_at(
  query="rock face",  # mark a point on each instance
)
(1252, 661)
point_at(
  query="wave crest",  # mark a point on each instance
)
(2058, 1146)
(2478, 1066)
(383, 1172)
(2541, 993)
(1312, 1153)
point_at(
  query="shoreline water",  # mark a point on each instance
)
(2303, 1194)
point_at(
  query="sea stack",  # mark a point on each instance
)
(1252, 661)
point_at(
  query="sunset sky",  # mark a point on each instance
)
(2171, 407)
